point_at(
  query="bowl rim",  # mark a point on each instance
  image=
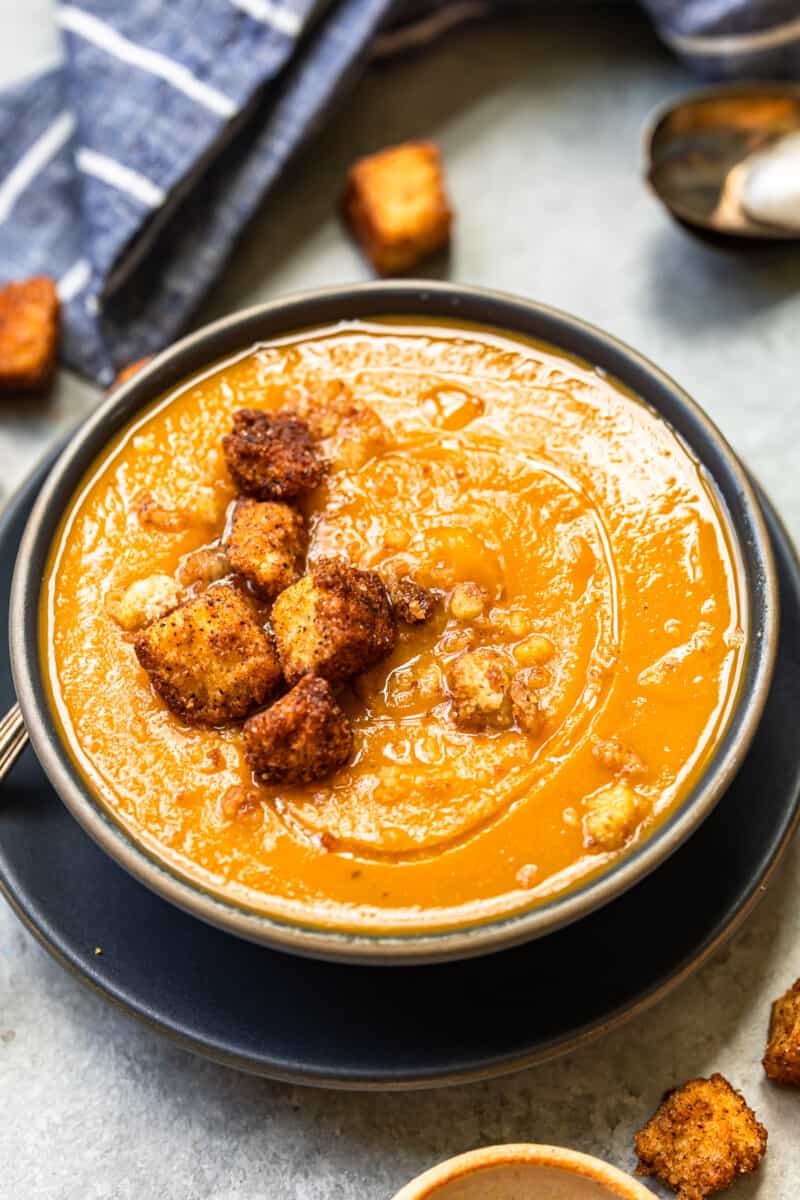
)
(347, 303)
(575, 1162)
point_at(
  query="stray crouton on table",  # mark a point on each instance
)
(782, 1059)
(397, 206)
(29, 320)
(702, 1137)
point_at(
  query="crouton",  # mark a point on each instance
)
(266, 544)
(612, 817)
(144, 601)
(534, 651)
(701, 1139)
(479, 682)
(782, 1059)
(397, 206)
(128, 372)
(335, 622)
(617, 758)
(202, 567)
(347, 432)
(270, 456)
(29, 320)
(208, 659)
(524, 693)
(300, 738)
(467, 601)
(411, 602)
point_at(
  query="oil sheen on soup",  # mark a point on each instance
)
(554, 519)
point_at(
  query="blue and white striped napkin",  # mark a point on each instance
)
(128, 172)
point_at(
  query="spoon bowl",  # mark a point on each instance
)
(723, 161)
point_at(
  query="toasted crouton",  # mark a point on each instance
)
(266, 544)
(524, 692)
(145, 601)
(397, 205)
(270, 456)
(412, 603)
(782, 1060)
(701, 1139)
(335, 622)
(612, 817)
(300, 738)
(347, 432)
(209, 660)
(29, 313)
(479, 682)
(200, 568)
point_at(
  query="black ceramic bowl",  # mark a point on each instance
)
(432, 301)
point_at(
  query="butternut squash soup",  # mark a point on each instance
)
(391, 626)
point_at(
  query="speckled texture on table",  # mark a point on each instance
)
(539, 123)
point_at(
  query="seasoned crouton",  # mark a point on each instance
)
(347, 432)
(266, 544)
(300, 738)
(397, 206)
(612, 817)
(467, 601)
(782, 1060)
(202, 567)
(479, 682)
(209, 660)
(270, 456)
(524, 692)
(411, 602)
(145, 601)
(29, 318)
(701, 1139)
(612, 754)
(334, 622)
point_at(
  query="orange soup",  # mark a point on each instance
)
(557, 526)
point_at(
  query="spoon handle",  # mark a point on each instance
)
(13, 739)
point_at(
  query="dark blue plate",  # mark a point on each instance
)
(394, 1027)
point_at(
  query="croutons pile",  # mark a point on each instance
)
(203, 637)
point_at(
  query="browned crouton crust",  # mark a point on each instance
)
(335, 622)
(701, 1139)
(266, 544)
(300, 738)
(397, 205)
(412, 603)
(524, 692)
(208, 659)
(782, 1059)
(270, 456)
(479, 682)
(29, 319)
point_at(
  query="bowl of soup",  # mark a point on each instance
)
(524, 1172)
(394, 623)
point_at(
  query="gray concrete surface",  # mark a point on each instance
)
(539, 122)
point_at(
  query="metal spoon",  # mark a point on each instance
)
(13, 739)
(726, 161)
